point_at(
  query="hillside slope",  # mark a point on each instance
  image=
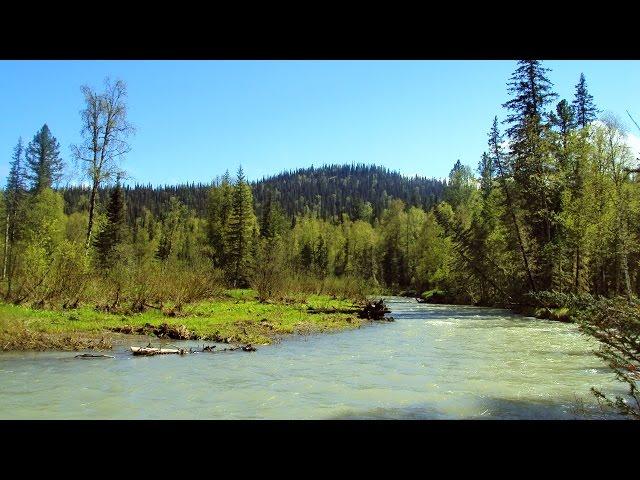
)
(329, 191)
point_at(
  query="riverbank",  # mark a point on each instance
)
(433, 362)
(552, 311)
(236, 317)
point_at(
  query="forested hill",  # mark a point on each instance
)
(335, 189)
(329, 191)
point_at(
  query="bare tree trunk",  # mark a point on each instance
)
(92, 206)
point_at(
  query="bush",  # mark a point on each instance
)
(70, 275)
(435, 296)
(186, 284)
(553, 299)
(29, 274)
(348, 287)
(270, 273)
(58, 278)
(615, 323)
(145, 285)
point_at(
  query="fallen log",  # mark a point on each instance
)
(93, 355)
(150, 351)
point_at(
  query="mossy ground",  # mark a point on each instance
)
(236, 317)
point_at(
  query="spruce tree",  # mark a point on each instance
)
(504, 172)
(306, 257)
(486, 172)
(266, 225)
(175, 217)
(585, 112)
(564, 119)
(14, 196)
(239, 232)
(531, 91)
(218, 209)
(585, 109)
(531, 166)
(43, 160)
(111, 234)
(164, 247)
(321, 257)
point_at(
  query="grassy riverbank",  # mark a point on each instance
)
(237, 316)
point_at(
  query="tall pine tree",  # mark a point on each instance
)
(43, 160)
(240, 232)
(14, 196)
(532, 165)
(504, 172)
(218, 211)
(585, 109)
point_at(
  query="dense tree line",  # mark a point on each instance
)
(553, 205)
(361, 191)
(557, 207)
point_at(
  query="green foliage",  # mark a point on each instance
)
(111, 234)
(616, 324)
(270, 272)
(43, 160)
(239, 233)
(585, 109)
(434, 296)
(552, 220)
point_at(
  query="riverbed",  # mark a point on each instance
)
(433, 362)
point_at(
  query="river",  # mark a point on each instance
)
(433, 362)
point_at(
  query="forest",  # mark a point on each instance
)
(552, 206)
(550, 217)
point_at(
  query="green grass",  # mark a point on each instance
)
(237, 317)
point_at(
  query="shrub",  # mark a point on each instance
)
(270, 273)
(616, 324)
(191, 284)
(435, 296)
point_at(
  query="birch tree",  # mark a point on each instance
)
(105, 130)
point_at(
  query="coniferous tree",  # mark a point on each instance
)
(531, 163)
(111, 234)
(240, 228)
(14, 195)
(43, 160)
(321, 257)
(504, 172)
(306, 257)
(585, 109)
(265, 220)
(164, 247)
(174, 218)
(564, 119)
(486, 171)
(219, 204)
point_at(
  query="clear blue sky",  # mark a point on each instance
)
(195, 119)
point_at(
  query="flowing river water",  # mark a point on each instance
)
(433, 362)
